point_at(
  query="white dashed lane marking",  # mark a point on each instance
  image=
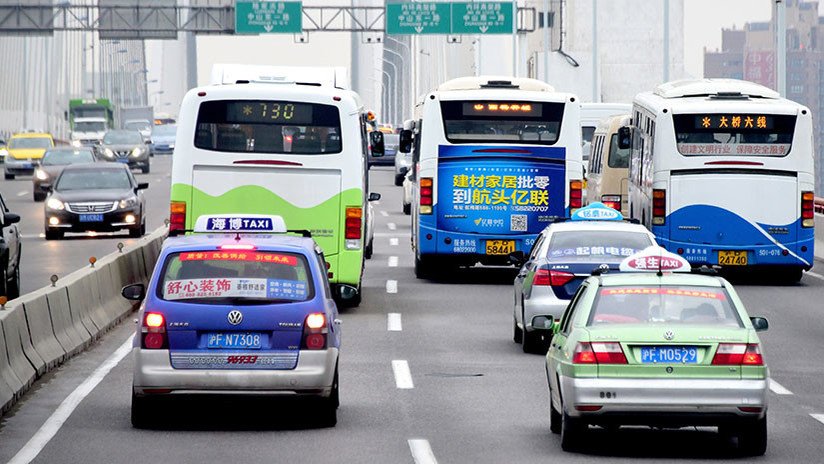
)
(393, 322)
(384, 214)
(393, 241)
(818, 417)
(393, 261)
(422, 451)
(403, 376)
(391, 226)
(22, 194)
(391, 286)
(779, 389)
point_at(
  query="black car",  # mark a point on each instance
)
(390, 142)
(99, 197)
(9, 253)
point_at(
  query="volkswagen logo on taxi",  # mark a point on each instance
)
(604, 267)
(235, 317)
(668, 335)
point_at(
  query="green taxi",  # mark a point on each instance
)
(656, 347)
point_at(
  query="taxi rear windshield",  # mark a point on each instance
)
(235, 277)
(663, 304)
(502, 121)
(266, 126)
(595, 245)
(734, 134)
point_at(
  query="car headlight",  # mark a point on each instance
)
(41, 174)
(128, 202)
(54, 203)
(108, 152)
(137, 151)
(3, 152)
(76, 143)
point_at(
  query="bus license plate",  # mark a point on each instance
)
(500, 247)
(242, 341)
(669, 354)
(732, 258)
(91, 218)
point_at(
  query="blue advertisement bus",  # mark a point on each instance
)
(495, 161)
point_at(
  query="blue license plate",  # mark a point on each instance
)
(26, 165)
(91, 218)
(123, 160)
(234, 340)
(669, 354)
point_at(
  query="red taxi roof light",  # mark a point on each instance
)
(238, 246)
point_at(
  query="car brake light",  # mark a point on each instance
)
(583, 354)
(599, 353)
(612, 201)
(552, 278)
(153, 332)
(737, 354)
(576, 194)
(238, 246)
(426, 194)
(177, 216)
(807, 209)
(659, 207)
(314, 331)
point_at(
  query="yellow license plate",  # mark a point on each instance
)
(500, 247)
(732, 258)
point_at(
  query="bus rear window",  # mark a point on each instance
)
(734, 134)
(262, 126)
(537, 123)
(236, 277)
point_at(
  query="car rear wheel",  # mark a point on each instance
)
(328, 407)
(752, 438)
(367, 252)
(517, 333)
(13, 284)
(143, 412)
(145, 169)
(54, 235)
(572, 432)
(39, 196)
(8, 176)
(407, 209)
(555, 419)
(398, 180)
(533, 343)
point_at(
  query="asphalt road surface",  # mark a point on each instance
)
(469, 396)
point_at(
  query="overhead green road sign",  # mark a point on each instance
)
(482, 17)
(418, 18)
(268, 17)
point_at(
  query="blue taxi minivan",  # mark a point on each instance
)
(238, 307)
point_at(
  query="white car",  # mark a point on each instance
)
(408, 192)
(563, 256)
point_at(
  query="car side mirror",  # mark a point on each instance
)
(10, 218)
(760, 324)
(518, 258)
(624, 138)
(374, 196)
(405, 141)
(46, 187)
(142, 186)
(376, 142)
(134, 292)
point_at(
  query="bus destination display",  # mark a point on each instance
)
(734, 121)
(502, 109)
(268, 112)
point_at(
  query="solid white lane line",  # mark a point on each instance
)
(779, 389)
(393, 261)
(391, 226)
(384, 214)
(22, 194)
(421, 451)
(393, 241)
(813, 274)
(391, 286)
(53, 424)
(393, 322)
(818, 417)
(403, 376)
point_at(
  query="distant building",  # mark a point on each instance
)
(749, 54)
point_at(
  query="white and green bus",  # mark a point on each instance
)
(258, 141)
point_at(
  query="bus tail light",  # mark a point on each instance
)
(613, 201)
(153, 332)
(738, 354)
(659, 207)
(427, 186)
(548, 277)
(314, 332)
(353, 226)
(177, 216)
(807, 209)
(576, 195)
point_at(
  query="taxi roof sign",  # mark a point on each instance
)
(240, 223)
(597, 211)
(655, 259)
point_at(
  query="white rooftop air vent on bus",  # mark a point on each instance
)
(496, 82)
(717, 88)
(325, 76)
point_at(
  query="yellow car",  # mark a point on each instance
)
(24, 152)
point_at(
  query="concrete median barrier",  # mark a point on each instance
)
(10, 385)
(82, 302)
(13, 320)
(66, 332)
(36, 307)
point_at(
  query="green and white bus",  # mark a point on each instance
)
(260, 142)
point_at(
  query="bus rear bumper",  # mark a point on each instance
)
(797, 254)
(465, 249)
